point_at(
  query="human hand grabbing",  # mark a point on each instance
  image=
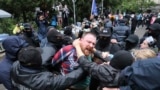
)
(105, 54)
(114, 41)
(76, 44)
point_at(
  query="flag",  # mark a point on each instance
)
(94, 8)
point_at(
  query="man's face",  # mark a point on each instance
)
(87, 43)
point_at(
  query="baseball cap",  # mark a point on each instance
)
(27, 25)
(133, 38)
(154, 26)
(106, 32)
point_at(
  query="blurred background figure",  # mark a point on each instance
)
(59, 8)
(65, 15)
(131, 42)
(148, 43)
(42, 24)
(121, 31)
(29, 35)
(133, 23)
(18, 29)
(12, 45)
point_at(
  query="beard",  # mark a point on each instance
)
(87, 51)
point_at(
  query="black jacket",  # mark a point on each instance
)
(104, 73)
(121, 32)
(142, 75)
(39, 79)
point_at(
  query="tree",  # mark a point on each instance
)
(135, 5)
(24, 9)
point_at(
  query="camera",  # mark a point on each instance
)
(87, 24)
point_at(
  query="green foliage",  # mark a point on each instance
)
(6, 25)
(24, 10)
(83, 8)
(135, 5)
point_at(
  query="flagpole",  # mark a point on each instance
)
(102, 8)
(74, 11)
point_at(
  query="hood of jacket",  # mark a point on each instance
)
(143, 74)
(12, 45)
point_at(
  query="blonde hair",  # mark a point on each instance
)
(141, 54)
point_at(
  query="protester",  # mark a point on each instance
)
(120, 60)
(18, 29)
(30, 35)
(68, 32)
(149, 42)
(12, 45)
(65, 15)
(131, 42)
(133, 23)
(67, 60)
(103, 43)
(42, 24)
(59, 8)
(105, 73)
(28, 74)
(154, 31)
(141, 75)
(120, 32)
(55, 42)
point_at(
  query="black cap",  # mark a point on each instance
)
(68, 30)
(53, 36)
(27, 25)
(154, 26)
(106, 32)
(133, 38)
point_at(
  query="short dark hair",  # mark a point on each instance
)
(30, 57)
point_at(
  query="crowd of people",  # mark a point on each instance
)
(103, 53)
